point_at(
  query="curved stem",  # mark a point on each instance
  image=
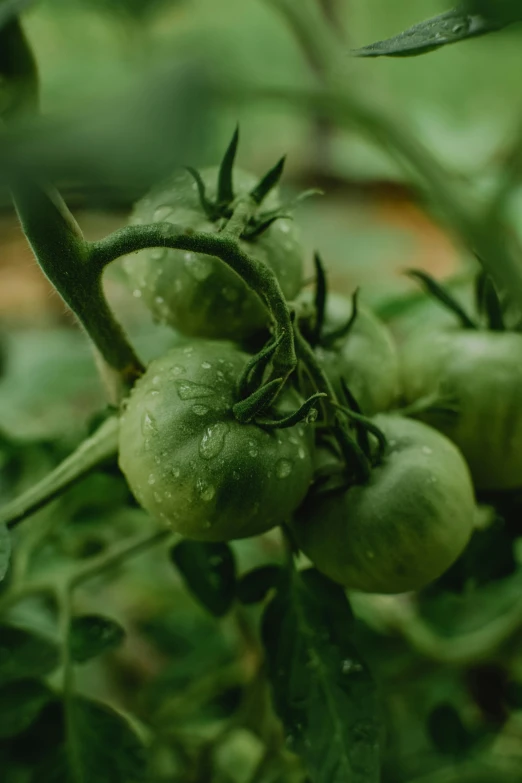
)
(63, 255)
(94, 451)
(256, 275)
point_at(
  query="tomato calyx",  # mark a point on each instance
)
(221, 210)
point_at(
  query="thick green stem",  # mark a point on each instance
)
(63, 254)
(92, 453)
(256, 275)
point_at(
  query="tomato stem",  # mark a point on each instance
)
(258, 276)
(63, 255)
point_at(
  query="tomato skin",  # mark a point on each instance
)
(190, 463)
(482, 370)
(367, 357)
(405, 526)
(198, 294)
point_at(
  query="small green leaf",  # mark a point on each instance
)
(99, 746)
(5, 550)
(322, 690)
(92, 635)
(447, 28)
(258, 402)
(254, 586)
(20, 703)
(209, 572)
(25, 654)
(225, 190)
(321, 288)
(489, 303)
(268, 182)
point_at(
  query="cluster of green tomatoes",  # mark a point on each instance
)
(375, 481)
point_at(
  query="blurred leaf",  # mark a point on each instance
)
(322, 691)
(209, 571)
(129, 141)
(506, 11)
(447, 28)
(13, 8)
(21, 702)
(99, 746)
(25, 654)
(254, 586)
(92, 635)
(447, 731)
(18, 74)
(5, 550)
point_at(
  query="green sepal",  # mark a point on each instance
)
(252, 376)
(225, 189)
(321, 288)
(439, 293)
(327, 340)
(352, 453)
(259, 227)
(208, 207)
(301, 414)
(353, 405)
(488, 302)
(259, 401)
(268, 182)
(363, 422)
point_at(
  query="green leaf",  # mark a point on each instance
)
(5, 550)
(18, 74)
(99, 746)
(25, 654)
(254, 586)
(92, 635)
(21, 702)
(440, 293)
(322, 690)
(447, 28)
(209, 572)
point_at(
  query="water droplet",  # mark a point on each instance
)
(253, 452)
(284, 227)
(158, 498)
(206, 491)
(168, 494)
(136, 293)
(221, 361)
(158, 253)
(293, 440)
(188, 349)
(458, 27)
(283, 468)
(213, 440)
(159, 300)
(162, 213)
(177, 370)
(152, 479)
(220, 374)
(301, 453)
(200, 410)
(311, 416)
(427, 450)
(175, 471)
(148, 424)
(206, 365)
(188, 390)
(199, 268)
(156, 380)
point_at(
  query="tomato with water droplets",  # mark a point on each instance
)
(199, 294)
(478, 374)
(190, 463)
(401, 529)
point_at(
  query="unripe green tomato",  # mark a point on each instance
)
(190, 463)
(405, 526)
(199, 294)
(481, 372)
(366, 358)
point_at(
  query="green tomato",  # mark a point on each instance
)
(405, 526)
(190, 463)
(198, 294)
(481, 371)
(366, 358)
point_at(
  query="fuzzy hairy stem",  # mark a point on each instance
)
(256, 275)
